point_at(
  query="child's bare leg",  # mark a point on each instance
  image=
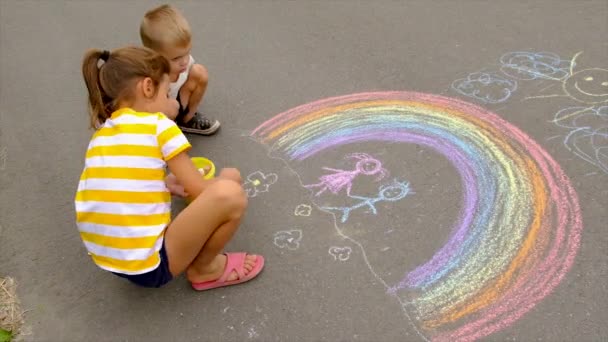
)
(192, 92)
(201, 231)
(209, 264)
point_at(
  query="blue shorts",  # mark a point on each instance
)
(155, 278)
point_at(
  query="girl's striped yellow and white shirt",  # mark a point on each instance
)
(122, 204)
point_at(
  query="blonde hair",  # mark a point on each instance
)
(113, 81)
(164, 25)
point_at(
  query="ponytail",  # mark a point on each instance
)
(97, 98)
(114, 79)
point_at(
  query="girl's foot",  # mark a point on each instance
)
(217, 267)
(238, 268)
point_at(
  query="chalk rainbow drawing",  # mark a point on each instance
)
(519, 227)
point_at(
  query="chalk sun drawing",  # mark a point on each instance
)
(587, 86)
(259, 182)
(340, 253)
(340, 179)
(386, 193)
(519, 227)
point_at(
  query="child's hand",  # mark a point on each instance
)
(174, 187)
(204, 170)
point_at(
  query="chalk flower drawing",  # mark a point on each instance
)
(519, 227)
(525, 65)
(303, 210)
(340, 179)
(289, 239)
(386, 193)
(486, 87)
(588, 136)
(259, 182)
(340, 253)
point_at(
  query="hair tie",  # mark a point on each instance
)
(105, 55)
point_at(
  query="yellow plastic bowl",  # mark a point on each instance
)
(201, 162)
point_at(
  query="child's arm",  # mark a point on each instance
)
(187, 174)
(177, 189)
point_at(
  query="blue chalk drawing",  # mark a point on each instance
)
(588, 136)
(386, 193)
(486, 87)
(524, 65)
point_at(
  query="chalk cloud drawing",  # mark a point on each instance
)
(486, 87)
(289, 239)
(259, 182)
(519, 227)
(588, 136)
(340, 253)
(303, 210)
(524, 65)
(386, 193)
(340, 179)
(493, 87)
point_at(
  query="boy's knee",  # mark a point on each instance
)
(199, 73)
(229, 193)
(232, 174)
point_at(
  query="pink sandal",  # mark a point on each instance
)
(234, 262)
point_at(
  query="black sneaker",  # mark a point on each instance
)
(199, 124)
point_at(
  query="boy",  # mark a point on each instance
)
(165, 30)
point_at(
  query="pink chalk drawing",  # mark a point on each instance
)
(340, 179)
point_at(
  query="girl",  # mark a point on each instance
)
(123, 204)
